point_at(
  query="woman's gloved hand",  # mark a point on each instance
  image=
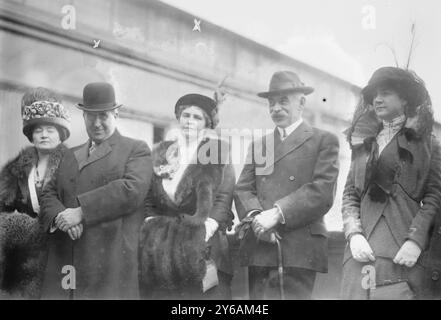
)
(360, 248)
(211, 227)
(408, 254)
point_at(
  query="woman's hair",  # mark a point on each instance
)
(208, 122)
(43, 94)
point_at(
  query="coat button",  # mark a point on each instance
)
(439, 230)
(291, 178)
(435, 276)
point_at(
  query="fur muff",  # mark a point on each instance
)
(172, 252)
(172, 248)
(23, 252)
(23, 256)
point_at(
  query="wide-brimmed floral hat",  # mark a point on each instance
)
(46, 112)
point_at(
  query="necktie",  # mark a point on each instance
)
(92, 147)
(283, 134)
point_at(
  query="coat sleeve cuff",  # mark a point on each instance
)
(282, 221)
(418, 238)
(351, 225)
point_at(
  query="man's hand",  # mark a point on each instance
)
(269, 236)
(75, 232)
(408, 254)
(69, 218)
(360, 249)
(266, 220)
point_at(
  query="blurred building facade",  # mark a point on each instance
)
(149, 51)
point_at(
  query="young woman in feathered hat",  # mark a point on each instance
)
(22, 244)
(393, 189)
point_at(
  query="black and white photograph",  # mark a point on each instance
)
(234, 151)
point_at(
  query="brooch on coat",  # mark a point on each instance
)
(166, 160)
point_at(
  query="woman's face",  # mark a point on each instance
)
(192, 120)
(46, 137)
(388, 104)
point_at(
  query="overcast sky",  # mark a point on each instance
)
(337, 35)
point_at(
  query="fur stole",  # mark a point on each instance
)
(14, 176)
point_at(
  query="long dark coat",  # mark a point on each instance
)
(172, 247)
(432, 280)
(110, 187)
(408, 201)
(23, 251)
(300, 175)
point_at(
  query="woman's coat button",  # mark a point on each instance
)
(435, 276)
(291, 178)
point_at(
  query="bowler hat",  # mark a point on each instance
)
(285, 82)
(205, 103)
(98, 97)
(406, 82)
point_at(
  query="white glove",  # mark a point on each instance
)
(211, 226)
(360, 249)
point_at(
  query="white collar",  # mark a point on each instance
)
(290, 129)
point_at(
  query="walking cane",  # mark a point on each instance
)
(280, 268)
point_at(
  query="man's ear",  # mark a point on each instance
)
(302, 102)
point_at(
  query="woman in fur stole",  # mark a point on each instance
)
(22, 243)
(183, 239)
(393, 189)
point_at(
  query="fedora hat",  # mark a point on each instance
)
(98, 97)
(285, 82)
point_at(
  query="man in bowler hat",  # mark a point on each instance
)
(288, 198)
(93, 208)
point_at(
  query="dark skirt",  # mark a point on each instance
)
(385, 248)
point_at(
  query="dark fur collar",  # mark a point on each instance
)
(16, 171)
(366, 125)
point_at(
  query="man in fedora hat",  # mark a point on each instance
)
(93, 209)
(288, 198)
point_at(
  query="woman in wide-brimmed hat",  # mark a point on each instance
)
(22, 243)
(183, 240)
(393, 189)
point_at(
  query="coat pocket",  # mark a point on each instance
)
(318, 228)
(109, 176)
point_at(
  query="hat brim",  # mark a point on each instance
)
(305, 90)
(414, 92)
(30, 124)
(98, 108)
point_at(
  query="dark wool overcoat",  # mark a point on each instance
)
(110, 186)
(300, 175)
(407, 196)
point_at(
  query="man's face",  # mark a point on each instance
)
(100, 125)
(388, 104)
(285, 109)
